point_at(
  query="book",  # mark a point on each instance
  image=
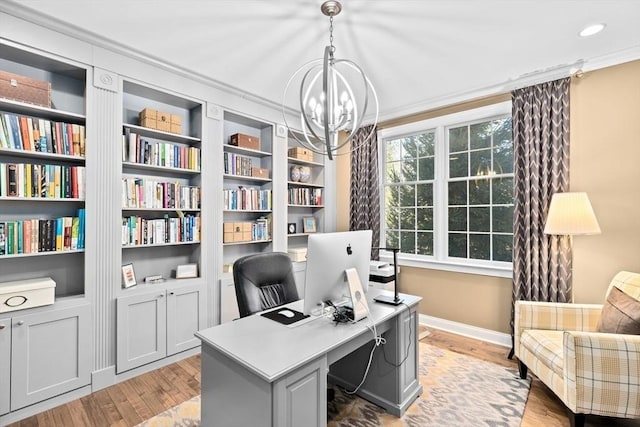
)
(75, 232)
(12, 180)
(67, 222)
(59, 234)
(3, 239)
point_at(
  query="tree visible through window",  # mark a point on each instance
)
(448, 189)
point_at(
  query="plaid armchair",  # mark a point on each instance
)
(591, 372)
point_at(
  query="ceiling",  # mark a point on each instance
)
(417, 53)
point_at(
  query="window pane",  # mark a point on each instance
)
(481, 163)
(503, 247)
(393, 172)
(480, 135)
(392, 239)
(503, 219)
(392, 220)
(458, 165)
(502, 191)
(479, 246)
(458, 138)
(479, 219)
(407, 218)
(479, 192)
(425, 244)
(424, 193)
(424, 218)
(393, 150)
(457, 219)
(408, 242)
(503, 158)
(426, 144)
(458, 245)
(407, 195)
(458, 193)
(410, 170)
(409, 149)
(425, 168)
(391, 195)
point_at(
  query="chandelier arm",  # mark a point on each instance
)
(302, 102)
(325, 84)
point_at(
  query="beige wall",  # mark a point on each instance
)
(605, 157)
(605, 162)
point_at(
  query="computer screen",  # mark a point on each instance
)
(328, 256)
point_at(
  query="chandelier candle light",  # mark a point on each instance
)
(335, 95)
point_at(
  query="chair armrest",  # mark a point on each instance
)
(601, 374)
(553, 316)
(557, 316)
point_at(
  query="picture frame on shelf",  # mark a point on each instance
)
(186, 271)
(128, 276)
(309, 224)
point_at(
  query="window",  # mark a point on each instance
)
(448, 191)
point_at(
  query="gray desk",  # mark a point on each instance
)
(258, 372)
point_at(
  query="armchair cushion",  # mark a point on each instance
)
(620, 314)
(547, 345)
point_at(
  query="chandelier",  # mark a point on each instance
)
(335, 95)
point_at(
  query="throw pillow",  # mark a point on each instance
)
(620, 314)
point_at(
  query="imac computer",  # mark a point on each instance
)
(338, 270)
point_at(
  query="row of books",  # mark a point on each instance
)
(142, 231)
(261, 229)
(235, 164)
(147, 193)
(42, 235)
(35, 134)
(160, 153)
(42, 181)
(247, 199)
(305, 196)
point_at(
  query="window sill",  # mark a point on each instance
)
(483, 270)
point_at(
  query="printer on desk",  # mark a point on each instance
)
(382, 275)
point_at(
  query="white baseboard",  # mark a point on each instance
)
(470, 331)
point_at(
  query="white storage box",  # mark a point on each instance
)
(298, 254)
(21, 294)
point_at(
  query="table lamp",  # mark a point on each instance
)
(395, 299)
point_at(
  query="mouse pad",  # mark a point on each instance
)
(278, 317)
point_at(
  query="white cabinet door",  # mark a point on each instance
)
(50, 354)
(228, 302)
(185, 315)
(5, 363)
(141, 328)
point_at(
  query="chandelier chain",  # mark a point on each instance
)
(332, 47)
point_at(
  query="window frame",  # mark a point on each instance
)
(440, 260)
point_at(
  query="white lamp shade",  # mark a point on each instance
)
(571, 214)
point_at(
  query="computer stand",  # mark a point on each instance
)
(358, 298)
(395, 299)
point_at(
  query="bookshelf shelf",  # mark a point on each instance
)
(294, 161)
(246, 151)
(17, 107)
(252, 242)
(38, 254)
(42, 155)
(160, 245)
(161, 169)
(40, 199)
(166, 136)
(304, 184)
(253, 179)
(294, 206)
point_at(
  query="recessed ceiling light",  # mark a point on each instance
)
(592, 29)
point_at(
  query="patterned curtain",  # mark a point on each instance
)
(541, 263)
(364, 210)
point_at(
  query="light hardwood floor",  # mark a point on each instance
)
(133, 401)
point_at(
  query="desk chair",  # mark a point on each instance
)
(263, 281)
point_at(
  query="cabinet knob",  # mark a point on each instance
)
(20, 322)
(1, 326)
(161, 296)
(171, 293)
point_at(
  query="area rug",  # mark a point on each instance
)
(458, 391)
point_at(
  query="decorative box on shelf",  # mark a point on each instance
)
(301, 153)
(245, 141)
(236, 232)
(21, 294)
(25, 89)
(159, 120)
(297, 254)
(260, 172)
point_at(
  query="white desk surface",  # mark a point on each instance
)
(270, 349)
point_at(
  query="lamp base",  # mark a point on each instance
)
(388, 300)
